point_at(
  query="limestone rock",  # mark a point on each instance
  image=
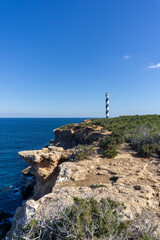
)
(44, 165)
(77, 134)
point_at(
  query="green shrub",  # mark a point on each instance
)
(146, 237)
(105, 142)
(30, 229)
(144, 226)
(145, 151)
(33, 224)
(110, 153)
(89, 219)
(116, 138)
(157, 149)
(84, 151)
(142, 132)
(110, 143)
(145, 141)
(97, 186)
(128, 123)
(85, 219)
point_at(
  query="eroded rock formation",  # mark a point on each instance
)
(44, 166)
(68, 137)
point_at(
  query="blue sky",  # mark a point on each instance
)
(58, 58)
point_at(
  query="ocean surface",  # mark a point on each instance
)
(18, 134)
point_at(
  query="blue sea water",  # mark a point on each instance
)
(18, 134)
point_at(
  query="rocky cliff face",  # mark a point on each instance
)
(69, 136)
(44, 163)
(44, 167)
(126, 178)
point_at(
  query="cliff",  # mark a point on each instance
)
(60, 176)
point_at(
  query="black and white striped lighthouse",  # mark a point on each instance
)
(107, 105)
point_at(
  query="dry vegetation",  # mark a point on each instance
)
(92, 220)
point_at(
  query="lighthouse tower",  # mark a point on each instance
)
(107, 105)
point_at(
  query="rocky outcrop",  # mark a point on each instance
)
(44, 167)
(68, 137)
(44, 163)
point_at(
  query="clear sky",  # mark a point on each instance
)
(59, 57)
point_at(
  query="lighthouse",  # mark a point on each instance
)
(107, 105)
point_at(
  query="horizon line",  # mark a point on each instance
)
(45, 117)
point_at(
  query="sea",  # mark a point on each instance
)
(19, 134)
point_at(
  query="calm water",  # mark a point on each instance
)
(18, 134)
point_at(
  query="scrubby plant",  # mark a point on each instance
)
(91, 220)
(117, 137)
(141, 131)
(97, 186)
(111, 142)
(110, 153)
(145, 141)
(145, 150)
(144, 226)
(85, 219)
(128, 123)
(84, 151)
(157, 149)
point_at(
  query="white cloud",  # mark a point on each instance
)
(154, 66)
(126, 57)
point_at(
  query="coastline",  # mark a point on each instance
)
(17, 135)
(60, 176)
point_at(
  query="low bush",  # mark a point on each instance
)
(97, 186)
(145, 150)
(118, 136)
(144, 226)
(92, 220)
(110, 153)
(114, 139)
(85, 219)
(145, 142)
(128, 123)
(88, 219)
(84, 151)
(142, 132)
(157, 149)
(111, 142)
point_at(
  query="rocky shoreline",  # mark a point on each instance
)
(58, 177)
